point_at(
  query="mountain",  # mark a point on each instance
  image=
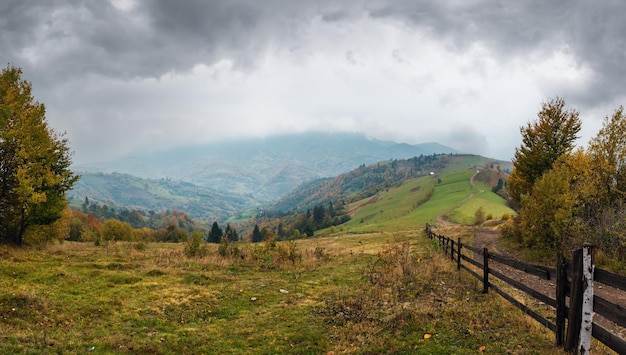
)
(238, 174)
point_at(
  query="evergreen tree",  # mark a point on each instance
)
(215, 234)
(231, 233)
(280, 231)
(256, 234)
(318, 214)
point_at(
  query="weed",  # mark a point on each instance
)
(319, 253)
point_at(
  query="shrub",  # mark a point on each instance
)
(510, 230)
(319, 253)
(479, 216)
(139, 246)
(194, 245)
(229, 248)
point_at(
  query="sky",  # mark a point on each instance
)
(122, 77)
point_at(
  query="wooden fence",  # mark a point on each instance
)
(575, 280)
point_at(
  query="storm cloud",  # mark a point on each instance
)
(125, 76)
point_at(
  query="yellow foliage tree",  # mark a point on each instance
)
(543, 142)
(34, 162)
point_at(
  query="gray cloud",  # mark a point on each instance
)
(592, 32)
(192, 68)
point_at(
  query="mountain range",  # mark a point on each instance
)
(218, 179)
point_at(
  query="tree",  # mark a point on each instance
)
(215, 234)
(280, 232)
(606, 212)
(231, 233)
(479, 216)
(318, 214)
(256, 235)
(34, 162)
(608, 152)
(116, 230)
(543, 142)
(548, 212)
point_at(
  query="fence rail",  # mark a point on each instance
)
(570, 283)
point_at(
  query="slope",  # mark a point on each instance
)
(122, 190)
(366, 181)
(420, 200)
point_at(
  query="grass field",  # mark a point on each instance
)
(419, 200)
(378, 286)
(344, 294)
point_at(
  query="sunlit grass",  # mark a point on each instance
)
(481, 196)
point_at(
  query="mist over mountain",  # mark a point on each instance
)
(261, 169)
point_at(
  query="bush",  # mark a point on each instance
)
(510, 230)
(272, 255)
(229, 248)
(479, 216)
(140, 245)
(194, 245)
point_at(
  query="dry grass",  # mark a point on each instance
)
(367, 293)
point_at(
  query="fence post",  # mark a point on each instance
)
(561, 293)
(485, 270)
(458, 255)
(451, 249)
(587, 303)
(574, 318)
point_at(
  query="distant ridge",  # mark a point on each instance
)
(266, 168)
(252, 171)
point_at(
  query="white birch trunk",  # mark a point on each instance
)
(587, 311)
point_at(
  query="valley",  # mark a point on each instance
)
(214, 181)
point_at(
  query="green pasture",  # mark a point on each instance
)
(420, 200)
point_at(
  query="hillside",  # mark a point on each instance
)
(267, 168)
(420, 200)
(366, 181)
(122, 190)
(389, 194)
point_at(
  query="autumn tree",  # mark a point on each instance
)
(543, 142)
(116, 230)
(606, 213)
(549, 211)
(34, 162)
(84, 227)
(608, 151)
